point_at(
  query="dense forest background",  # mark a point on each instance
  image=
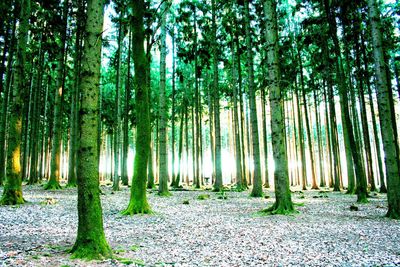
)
(209, 88)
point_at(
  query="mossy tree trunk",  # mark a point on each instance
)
(390, 146)
(90, 242)
(55, 172)
(12, 193)
(4, 104)
(162, 139)
(283, 200)
(257, 180)
(138, 199)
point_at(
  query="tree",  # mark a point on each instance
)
(90, 242)
(257, 181)
(283, 201)
(12, 193)
(217, 125)
(390, 146)
(163, 164)
(54, 183)
(138, 199)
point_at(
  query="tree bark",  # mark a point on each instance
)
(138, 200)
(12, 193)
(390, 145)
(283, 201)
(90, 242)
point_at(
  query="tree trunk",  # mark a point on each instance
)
(257, 180)
(308, 131)
(301, 140)
(173, 139)
(55, 172)
(162, 139)
(138, 200)
(73, 143)
(12, 193)
(283, 200)
(125, 126)
(117, 118)
(218, 185)
(5, 104)
(90, 242)
(388, 136)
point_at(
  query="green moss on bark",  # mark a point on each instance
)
(282, 208)
(164, 194)
(138, 201)
(257, 192)
(52, 185)
(137, 207)
(91, 249)
(12, 196)
(90, 242)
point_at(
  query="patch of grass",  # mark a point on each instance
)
(119, 251)
(164, 194)
(35, 257)
(138, 262)
(125, 261)
(222, 195)
(203, 196)
(134, 248)
(185, 202)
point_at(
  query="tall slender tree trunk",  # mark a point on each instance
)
(125, 125)
(218, 185)
(73, 139)
(12, 193)
(117, 102)
(90, 241)
(236, 127)
(5, 103)
(301, 140)
(173, 112)
(55, 172)
(257, 180)
(163, 156)
(308, 131)
(138, 200)
(283, 201)
(388, 135)
(319, 141)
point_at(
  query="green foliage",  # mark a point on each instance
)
(203, 197)
(134, 248)
(222, 195)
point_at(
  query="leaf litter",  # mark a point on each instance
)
(210, 232)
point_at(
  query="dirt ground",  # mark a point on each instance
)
(211, 232)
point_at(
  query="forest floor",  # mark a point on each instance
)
(211, 232)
